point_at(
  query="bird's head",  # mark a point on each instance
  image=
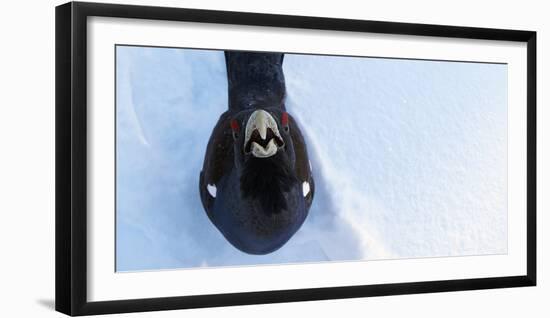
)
(264, 157)
(261, 134)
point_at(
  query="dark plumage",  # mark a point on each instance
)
(268, 175)
(255, 80)
(256, 184)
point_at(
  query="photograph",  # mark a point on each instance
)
(212, 158)
(250, 158)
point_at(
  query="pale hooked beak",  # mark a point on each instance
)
(262, 137)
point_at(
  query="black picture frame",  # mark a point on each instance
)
(71, 157)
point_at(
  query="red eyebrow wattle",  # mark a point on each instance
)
(284, 119)
(234, 125)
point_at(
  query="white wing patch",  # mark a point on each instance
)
(305, 188)
(211, 189)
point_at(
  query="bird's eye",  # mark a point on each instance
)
(284, 121)
(235, 128)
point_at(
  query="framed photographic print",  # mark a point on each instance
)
(209, 158)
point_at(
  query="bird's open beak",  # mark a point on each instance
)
(262, 137)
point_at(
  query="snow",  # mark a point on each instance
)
(409, 158)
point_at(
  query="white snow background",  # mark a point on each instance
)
(409, 158)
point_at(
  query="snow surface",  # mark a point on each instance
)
(409, 158)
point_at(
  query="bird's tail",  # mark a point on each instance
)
(255, 80)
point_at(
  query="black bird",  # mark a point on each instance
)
(256, 184)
